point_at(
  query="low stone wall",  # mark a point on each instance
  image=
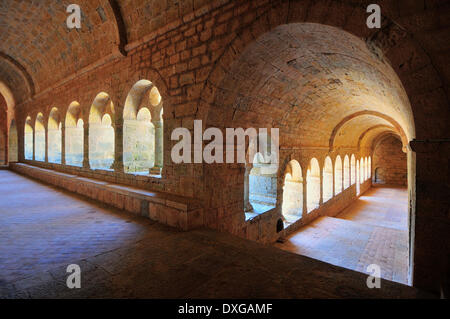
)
(152, 183)
(330, 208)
(176, 211)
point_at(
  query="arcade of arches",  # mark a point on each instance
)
(358, 111)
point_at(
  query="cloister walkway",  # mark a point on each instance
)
(372, 230)
(43, 230)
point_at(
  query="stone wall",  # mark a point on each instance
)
(389, 163)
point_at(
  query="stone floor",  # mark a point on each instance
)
(43, 230)
(373, 230)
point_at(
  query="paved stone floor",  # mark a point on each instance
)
(373, 230)
(43, 230)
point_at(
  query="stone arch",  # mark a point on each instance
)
(74, 135)
(101, 132)
(143, 129)
(389, 119)
(28, 139)
(54, 139)
(278, 13)
(39, 138)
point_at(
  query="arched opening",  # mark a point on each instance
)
(143, 129)
(292, 207)
(352, 170)
(262, 184)
(338, 175)
(313, 185)
(369, 166)
(74, 131)
(13, 148)
(39, 138)
(54, 136)
(327, 179)
(101, 133)
(346, 172)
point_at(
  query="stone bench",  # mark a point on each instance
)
(176, 211)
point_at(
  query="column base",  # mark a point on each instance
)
(155, 170)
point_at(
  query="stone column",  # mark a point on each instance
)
(34, 143)
(247, 206)
(305, 195)
(118, 149)
(46, 144)
(159, 147)
(86, 164)
(63, 143)
(321, 185)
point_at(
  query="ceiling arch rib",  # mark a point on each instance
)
(28, 80)
(367, 119)
(366, 139)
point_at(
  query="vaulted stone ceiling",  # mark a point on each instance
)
(37, 50)
(316, 83)
(34, 36)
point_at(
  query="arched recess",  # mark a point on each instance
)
(292, 207)
(39, 138)
(338, 175)
(143, 129)
(74, 135)
(327, 179)
(28, 139)
(13, 143)
(346, 172)
(101, 132)
(352, 170)
(313, 185)
(54, 136)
